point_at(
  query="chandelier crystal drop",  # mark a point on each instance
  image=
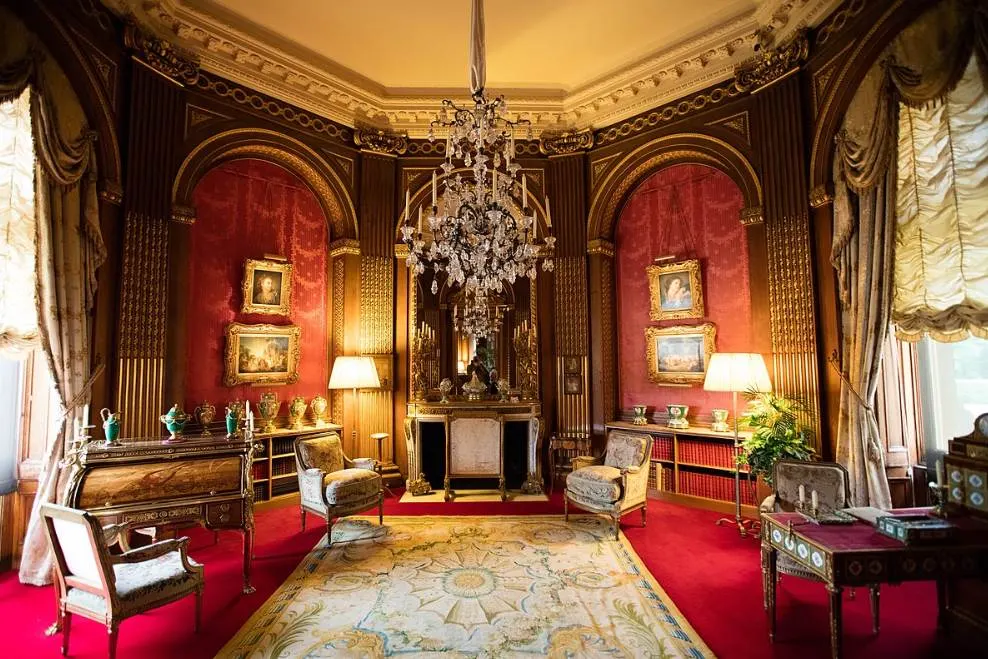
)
(479, 231)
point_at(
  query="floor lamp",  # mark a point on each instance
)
(353, 372)
(734, 372)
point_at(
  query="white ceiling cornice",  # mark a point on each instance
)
(320, 86)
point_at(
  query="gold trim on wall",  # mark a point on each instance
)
(707, 330)
(690, 267)
(233, 376)
(284, 306)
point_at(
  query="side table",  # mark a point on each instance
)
(379, 437)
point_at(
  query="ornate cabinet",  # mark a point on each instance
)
(203, 478)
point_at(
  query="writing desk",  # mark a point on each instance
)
(856, 555)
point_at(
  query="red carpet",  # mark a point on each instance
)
(713, 576)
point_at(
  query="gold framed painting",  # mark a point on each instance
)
(261, 354)
(267, 287)
(675, 290)
(680, 354)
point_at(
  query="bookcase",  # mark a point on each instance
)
(694, 467)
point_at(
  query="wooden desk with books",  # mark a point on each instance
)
(856, 554)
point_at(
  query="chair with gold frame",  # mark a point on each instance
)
(93, 583)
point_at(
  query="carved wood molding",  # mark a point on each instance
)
(341, 96)
(774, 64)
(566, 142)
(381, 141)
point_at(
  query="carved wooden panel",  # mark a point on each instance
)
(135, 483)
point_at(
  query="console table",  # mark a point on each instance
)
(858, 555)
(437, 452)
(204, 479)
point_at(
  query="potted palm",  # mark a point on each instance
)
(776, 434)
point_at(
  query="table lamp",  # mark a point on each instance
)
(354, 372)
(734, 372)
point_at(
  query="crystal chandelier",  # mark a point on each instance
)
(480, 237)
(476, 318)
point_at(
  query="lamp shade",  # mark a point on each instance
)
(352, 372)
(737, 371)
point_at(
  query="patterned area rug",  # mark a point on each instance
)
(469, 587)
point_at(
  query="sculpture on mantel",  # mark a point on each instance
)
(423, 356)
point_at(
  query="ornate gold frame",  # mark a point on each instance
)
(652, 334)
(234, 331)
(250, 267)
(655, 272)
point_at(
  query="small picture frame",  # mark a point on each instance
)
(267, 287)
(261, 354)
(571, 365)
(675, 290)
(572, 384)
(383, 364)
(679, 355)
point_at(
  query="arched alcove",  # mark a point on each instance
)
(686, 211)
(249, 208)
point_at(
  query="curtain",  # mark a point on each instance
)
(921, 65)
(18, 317)
(941, 269)
(69, 249)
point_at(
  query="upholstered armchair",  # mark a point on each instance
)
(93, 583)
(332, 485)
(614, 484)
(833, 489)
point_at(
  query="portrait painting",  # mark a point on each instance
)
(572, 384)
(675, 290)
(263, 354)
(679, 355)
(267, 287)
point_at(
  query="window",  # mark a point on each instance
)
(953, 388)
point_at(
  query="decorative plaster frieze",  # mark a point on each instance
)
(695, 64)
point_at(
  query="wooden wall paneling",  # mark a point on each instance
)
(790, 260)
(154, 129)
(377, 272)
(345, 257)
(603, 350)
(568, 192)
(402, 364)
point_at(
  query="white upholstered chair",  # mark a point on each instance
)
(614, 484)
(332, 485)
(93, 583)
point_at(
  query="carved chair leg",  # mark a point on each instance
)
(113, 633)
(66, 623)
(198, 610)
(565, 507)
(329, 530)
(380, 510)
(302, 514)
(644, 510)
(874, 608)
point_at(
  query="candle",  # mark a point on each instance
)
(535, 228)
(420, 219)
(524, 191)
(802, 494)
(433, 189)
(407, 199)
(247, 408)
(85, 417)
(813, 500)
(548, 214)
(941, 476)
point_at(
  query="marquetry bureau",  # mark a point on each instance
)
(204, 479)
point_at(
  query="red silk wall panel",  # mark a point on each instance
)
(245, 209)
(710, 203)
